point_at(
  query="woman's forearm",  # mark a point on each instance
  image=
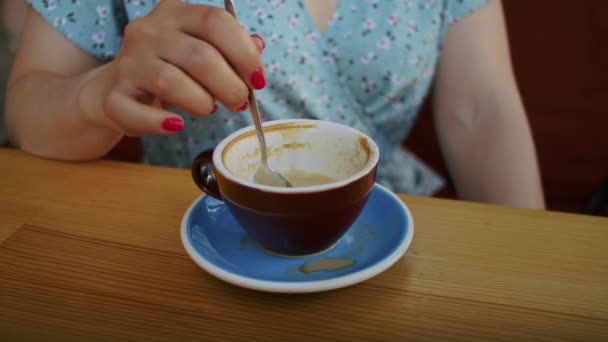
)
(54, 116)
(491, 156)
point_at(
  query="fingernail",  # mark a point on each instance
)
(173, 124)
(257, 79)
(261, 39)
(244, 106)
(214, 109)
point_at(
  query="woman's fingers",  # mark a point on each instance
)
(205, 64)
(219, 28)
(184, 56)
(137, 119)
(174, 87)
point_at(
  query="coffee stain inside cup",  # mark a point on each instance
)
(305, 178)
(325, 264)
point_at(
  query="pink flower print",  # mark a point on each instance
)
(333, 53)
(430, 36)
(428, 3)
(273, 38)
(413, 59)
(324, 100)
(389, 98)
(292, 83)
(428, 72)
(369, 24)
(411, 25)
(260, 13)
(59, 21)
(107, 54)
(392, 19)
(368, 57)
(276, 4)
(98, 39)
(334, 17)
(274, 68)
(304, 96)
(51, 5)
(232, 119)
(311, 37)
(291, 46)
(397, 79)
(293, 22)
(367, 85)
(316, 81)
(384, 43)
(305, 59)
(102, 11)
(328, 60)
(340, 110)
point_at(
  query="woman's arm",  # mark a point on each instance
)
(479, 115)
(43, 112)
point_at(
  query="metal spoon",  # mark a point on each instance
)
(265, 174)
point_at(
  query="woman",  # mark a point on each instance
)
(136, 67)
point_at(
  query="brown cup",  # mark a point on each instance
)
(301, 220)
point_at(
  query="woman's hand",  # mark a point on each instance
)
(180, 55)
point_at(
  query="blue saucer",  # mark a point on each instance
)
(218, 244)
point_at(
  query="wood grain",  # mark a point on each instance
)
(91, 251)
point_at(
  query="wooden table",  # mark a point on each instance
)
(92, 251)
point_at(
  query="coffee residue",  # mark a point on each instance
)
(305, 178)
(325, 264)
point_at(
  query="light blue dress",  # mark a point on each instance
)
(371, 70)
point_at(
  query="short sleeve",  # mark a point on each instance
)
(96, 26)
(455, 10)
(458, 9)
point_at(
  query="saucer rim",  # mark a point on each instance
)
(301, 286)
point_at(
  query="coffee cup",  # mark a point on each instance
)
(333, 170)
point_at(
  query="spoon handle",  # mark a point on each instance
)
(229, 6)
(253, 104)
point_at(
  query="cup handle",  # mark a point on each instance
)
(204, 175)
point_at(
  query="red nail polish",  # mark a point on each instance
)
(261, 39)
(244, 106)
(173, 124)
(214, 109)
(257, 79)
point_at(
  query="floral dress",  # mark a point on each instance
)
(370, 70)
